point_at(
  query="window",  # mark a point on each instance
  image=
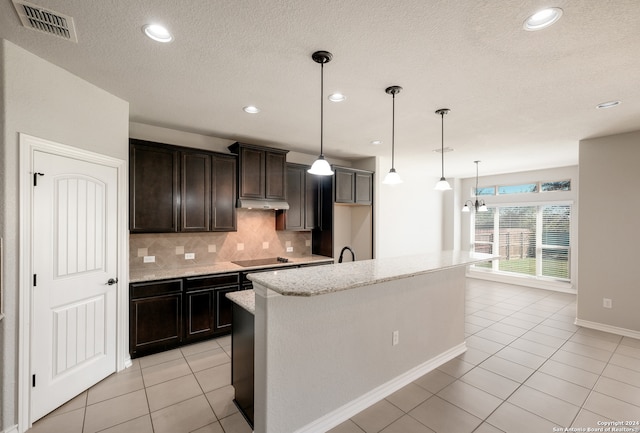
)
(484, 235)
(563, 185)
(556, 240)
(518, 189)
(488, 190)
(517, 239)
(532, 241)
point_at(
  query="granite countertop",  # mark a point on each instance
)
(333, 278)
(157, 273)
(244, 298)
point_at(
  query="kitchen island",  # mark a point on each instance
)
(331, 341)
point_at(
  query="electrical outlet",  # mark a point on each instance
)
(289, 249)
(189, 256)
(395, 338)
(149, 259)
(606, 303)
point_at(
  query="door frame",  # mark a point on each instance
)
(28, 146)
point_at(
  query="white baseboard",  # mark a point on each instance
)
(356, 406)
(13, 429)
(534, 283)
(608, 328)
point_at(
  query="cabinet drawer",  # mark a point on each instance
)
(194, 283)
(155, 288)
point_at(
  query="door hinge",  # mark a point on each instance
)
(33, 381)
(35, 178)
(35, 280)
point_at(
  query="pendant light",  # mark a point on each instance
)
(479, 205)
(321, 167)
(442, 184)
(393, 178)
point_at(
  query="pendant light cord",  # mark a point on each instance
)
(393, 131)
(321, 105)
(442, 142)
(477, 179)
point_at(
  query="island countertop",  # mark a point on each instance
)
(245, 299)
(345, 276)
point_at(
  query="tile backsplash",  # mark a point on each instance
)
(256, 238)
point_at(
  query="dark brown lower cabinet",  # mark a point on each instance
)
(155, 316)
(224, 309)
(242, 364)
(168, 313)
(199, 314)
(207, 310)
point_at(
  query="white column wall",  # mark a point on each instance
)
(609, 235)
(43, 100)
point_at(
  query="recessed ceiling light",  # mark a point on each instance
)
(251, 109)
(542, 19)
(157, 33)
(337, 97)
(608, 104)
(376, 142)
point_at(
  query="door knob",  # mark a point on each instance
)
(111, 281)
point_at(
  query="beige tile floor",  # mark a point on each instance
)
(528, 368)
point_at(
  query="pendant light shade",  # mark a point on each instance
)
(442, 184)
(393, 178)
(478, 205)
(321, 167)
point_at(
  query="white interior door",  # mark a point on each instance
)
(73, 330)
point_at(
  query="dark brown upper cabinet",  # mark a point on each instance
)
(302, 196)
(353, 186)
(261, 172)
(223, 218)
(178, 189)
(195, 193)
(154, 187)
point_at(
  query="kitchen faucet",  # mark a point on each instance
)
(353, 255)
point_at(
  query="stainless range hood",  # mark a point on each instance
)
(244, 203)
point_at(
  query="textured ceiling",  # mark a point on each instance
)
(519, 100)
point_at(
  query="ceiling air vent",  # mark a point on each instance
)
(45, 20)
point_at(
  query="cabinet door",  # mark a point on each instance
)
(154, 193)
(224, 309)
(199, 314)
(195, 194)
(224, 194)
(294, 216)
(155, 324)
(275, 175)
(364, 188)
(345, 186)
(311, 201)
(252, 173)
(155, 316)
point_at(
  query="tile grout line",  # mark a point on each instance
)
(485, 420)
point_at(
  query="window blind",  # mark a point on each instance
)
(517, 239)
(556, 240)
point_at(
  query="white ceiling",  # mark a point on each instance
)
(519, 100)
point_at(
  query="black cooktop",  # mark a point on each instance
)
(261, 262)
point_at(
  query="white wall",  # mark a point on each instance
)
(608, 230)
(408, 218)
(45, 101)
